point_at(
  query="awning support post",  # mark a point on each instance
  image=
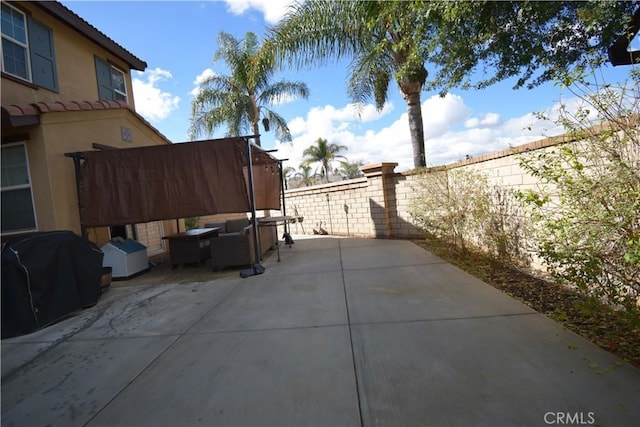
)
(287, 236)
(256, 267)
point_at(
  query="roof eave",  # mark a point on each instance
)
(59, 11)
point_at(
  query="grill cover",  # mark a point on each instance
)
(45, 277)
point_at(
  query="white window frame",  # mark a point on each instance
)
(19, 43)
(124, 79)
(22, 187)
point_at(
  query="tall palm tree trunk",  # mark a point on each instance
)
(416, 129)
(256, 132)
(325, 167)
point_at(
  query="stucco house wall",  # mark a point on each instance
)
(50, 123)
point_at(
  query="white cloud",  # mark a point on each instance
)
(151, 101)
(201, 78)
(489, 119)
(321, 119)
(445, 141)
(272, 10)
(441, 113)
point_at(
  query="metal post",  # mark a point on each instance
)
(287, 236)
(76, 163)
(256, 268)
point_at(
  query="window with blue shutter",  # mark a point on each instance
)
(27, 50)
(111, 82)
(103, 73)
(43, 61)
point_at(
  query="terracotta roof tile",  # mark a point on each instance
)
(62, 106)
(72, 106)
(37, 108)
(57, 106)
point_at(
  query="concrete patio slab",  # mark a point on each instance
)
(497, 371)
(20, 350)
(280, 301)
(160, 310)
(313, 243)
(293, 377)
(359, 254)
(16, 354)
(76, 322)
(70, 383)
(423, 292)
(341, 332)
(303, 261)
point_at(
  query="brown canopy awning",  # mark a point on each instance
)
(143, 184)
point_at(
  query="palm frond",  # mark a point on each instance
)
(281, 91)
(278, 124)
(369, 75)
(314, 32)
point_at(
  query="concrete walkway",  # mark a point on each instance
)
(342, 332)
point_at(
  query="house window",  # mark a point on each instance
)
(27, 49)
(17, 202)
(112, 84)
(119, 85)
(15, 51)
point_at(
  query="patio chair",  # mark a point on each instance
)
(234, 245)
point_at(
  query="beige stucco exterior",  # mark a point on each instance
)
(75, 65)
(72, 129)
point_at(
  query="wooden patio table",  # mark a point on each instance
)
(191, 246)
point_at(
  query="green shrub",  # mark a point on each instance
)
(191, 223)
(587, 209)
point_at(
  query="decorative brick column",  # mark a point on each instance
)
(380, 176)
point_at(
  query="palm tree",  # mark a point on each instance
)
(384, 40)
(287, 174)
(351, 170)
(241, 100)
(323, 153)
(305, 175)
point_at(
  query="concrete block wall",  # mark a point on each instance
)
(378, 204)
(341, 208)
(373, 206)
(503, 167)
(403, 226)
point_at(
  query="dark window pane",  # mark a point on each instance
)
(17, 211)
(14, 166)
(13, 24)
(14, 59)
(119, 97)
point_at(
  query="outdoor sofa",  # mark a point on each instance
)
(233, 247)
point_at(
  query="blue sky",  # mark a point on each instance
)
(177, 39)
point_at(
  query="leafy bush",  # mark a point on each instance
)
(444, 204)
(505, 227)
(191, 223)
(587, 209)
(460, 207)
